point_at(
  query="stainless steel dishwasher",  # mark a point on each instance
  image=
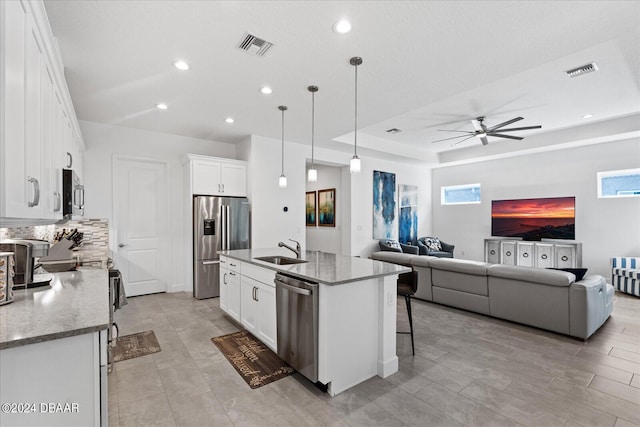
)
(297, 324)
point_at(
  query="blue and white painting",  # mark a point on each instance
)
(408, 201)
(385, 221)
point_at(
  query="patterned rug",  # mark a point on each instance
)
(254, 361)
(135, 345)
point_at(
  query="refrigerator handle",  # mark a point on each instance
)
(226, 224)
(222, 228)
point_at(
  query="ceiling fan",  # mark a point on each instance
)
(482, 131)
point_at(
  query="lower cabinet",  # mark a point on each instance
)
(258, 309)
(248, 295)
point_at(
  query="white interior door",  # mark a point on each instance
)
(141, 221)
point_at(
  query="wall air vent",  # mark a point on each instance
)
(254, 45)
(393, 130)
(584, 69)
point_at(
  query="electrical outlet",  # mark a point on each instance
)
(461, 252)
(390, 298)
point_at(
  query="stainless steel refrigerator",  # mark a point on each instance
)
(219, 223)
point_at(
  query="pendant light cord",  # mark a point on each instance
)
(355, 128)
(282, 171)
(313, 129)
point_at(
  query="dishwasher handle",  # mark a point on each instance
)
(295, 289)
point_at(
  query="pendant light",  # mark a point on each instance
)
(354, 164)
(282, 182)
(312, 175)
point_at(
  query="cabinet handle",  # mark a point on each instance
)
(219, 189)
(223, 188)
(232, 273)
(224, 278)
(69, 160)
(508, 253)
(57, 202)
(564, 258)
(36, 192)
(492, 252)
(78, 196)
(525, 255)
(544, 256)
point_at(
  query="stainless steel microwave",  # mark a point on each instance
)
(72, 194)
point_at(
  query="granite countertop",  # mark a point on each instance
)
(75, 303)
(322, 267)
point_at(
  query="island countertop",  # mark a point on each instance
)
(75, 303)
(321, 267)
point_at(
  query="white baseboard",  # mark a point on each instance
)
(177, 287)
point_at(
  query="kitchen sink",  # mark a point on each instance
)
(280, 260)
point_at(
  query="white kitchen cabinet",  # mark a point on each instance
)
(34, 92)
(258, 310)
(70, 371)
(230, 287)
(543, 254)
(214, 176)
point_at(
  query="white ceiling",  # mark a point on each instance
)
(427, 65)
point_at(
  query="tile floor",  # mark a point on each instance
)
(469, 370)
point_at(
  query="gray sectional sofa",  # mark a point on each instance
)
(544, 298)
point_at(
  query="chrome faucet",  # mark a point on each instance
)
(297, 250)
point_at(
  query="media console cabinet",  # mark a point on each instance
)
(543, 254)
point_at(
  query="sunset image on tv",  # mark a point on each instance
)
(534, 219)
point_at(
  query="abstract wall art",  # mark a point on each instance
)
(385, 220)
(310, 208)
(327, 208)
(408, 201)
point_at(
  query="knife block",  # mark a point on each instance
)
(59, 251)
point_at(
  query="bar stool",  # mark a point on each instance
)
(407, 287)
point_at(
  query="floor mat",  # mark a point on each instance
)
(254, 361)
(135, 345)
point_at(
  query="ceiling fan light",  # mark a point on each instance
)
(312, 175)
(481, 135)
(282, 181)
(354, 164)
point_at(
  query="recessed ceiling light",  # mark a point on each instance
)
(587, 116)
(266, 90)
(181, 65)
(229, 120)
(342, 27)
(162, 106)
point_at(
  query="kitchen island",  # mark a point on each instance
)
(53, 352)
(356, 308)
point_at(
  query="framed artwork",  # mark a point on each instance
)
(408, 218)
(385, 220)
(327, 208)
(310, 208)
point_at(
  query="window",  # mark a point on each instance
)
(460, 194)
(620, 183)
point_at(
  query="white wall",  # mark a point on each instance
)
(270, 224)
(606, 227)
(362, 242)
(327, 239)
(104, 141)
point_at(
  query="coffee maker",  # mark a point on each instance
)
(24, 253)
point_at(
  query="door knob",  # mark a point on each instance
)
(122, 245)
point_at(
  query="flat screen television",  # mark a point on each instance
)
(534, 219)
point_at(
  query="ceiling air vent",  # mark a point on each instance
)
(393, 130)
(584, 69)
(254, 45)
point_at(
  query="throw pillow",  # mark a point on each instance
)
(390, 245)
(578, 272)
(433, 243)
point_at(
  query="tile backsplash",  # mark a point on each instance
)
(95, 241)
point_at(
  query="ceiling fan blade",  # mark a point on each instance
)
(469, 137)
(524, 128)
(451, 130)
(453, 137)
(508, 122)
(484, 140)
(500, 135)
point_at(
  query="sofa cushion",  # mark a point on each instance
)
(422, 261)
(532, 274)
(578, 272)
(460, 265)
(394, 257)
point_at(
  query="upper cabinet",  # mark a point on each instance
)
(213, 176)
(39, 133)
